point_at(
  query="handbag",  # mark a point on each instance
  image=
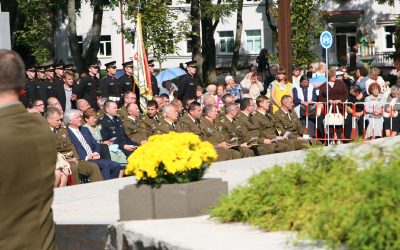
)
(62, 164)
(334, 119)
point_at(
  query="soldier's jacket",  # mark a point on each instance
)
(150, 124)
(211, 132)
(164, 127)
(246, 130)
(229, 128)
(186, 124)
(220, 115)
(135, 129)
(292, 125)
(64, 144)
(122, 113)
(266, 123)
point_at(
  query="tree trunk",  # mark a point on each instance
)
(95, 31)
(208, 49)
(238, 38)
(48, 40)
(73, 38)
(196, 40)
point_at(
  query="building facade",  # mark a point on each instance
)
(5, 37)
(348, 21)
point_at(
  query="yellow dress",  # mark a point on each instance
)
(280, 92)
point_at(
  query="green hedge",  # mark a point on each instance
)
(347, 199)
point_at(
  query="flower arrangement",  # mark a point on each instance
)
(171, 158)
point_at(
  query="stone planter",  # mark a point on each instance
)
(169, 201)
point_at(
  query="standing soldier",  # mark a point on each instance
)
(109, 84)
(126, 81)
(187, 85)
(86, 89)
(42, 88)
(49, 74)
(154, 84)
(59, 73)
(27, 96)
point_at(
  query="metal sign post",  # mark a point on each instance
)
(326, 41)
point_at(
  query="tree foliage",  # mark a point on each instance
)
(307, 25)
(161, 33)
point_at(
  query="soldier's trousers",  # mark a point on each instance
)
(225, 154)
(245, 152)
(89, 169)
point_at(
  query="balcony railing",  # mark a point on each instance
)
(382, 59)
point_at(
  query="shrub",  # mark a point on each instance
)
(335, 197)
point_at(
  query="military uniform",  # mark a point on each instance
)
(164, 127)
(126, 84)
(123, 113)
(186, 88)
(151, 124)
(247, 131)
(228, 127)
(43, 90)
(135, 129)
(28, 155)
(29, 87)
(187, 124)
(267, 124)
(211, 133)
(86, 89)
(112, 127)
(65, 146)
(109, 87)
(292, 125)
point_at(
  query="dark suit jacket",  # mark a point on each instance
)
(94, 146)
(28, 154)
(115, 128)
(59, 93)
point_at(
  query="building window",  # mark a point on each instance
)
(389, 36)
(105, 46)
(253, 41)
(189, 45)
(226, 41)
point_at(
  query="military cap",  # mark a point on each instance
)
(127, 64)
(69, 67)
(49, 67)
(110, 64)
(40, 68)
(30, 68)
(93, 65)
(59, 65)
(191, 63)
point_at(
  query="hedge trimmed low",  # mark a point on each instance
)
(349, 199)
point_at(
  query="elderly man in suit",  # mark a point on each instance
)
(112, 128)
(28, 155)
(87, 147)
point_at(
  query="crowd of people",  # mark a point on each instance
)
(261, 114)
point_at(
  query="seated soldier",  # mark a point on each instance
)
(87, 147)
(191, 120)
(168, 121)
(248, 132)
(112, 128)
(227, 125)
(179, 107)
(65, 147)
(151, 119)
(288, 123)
(129, 97)
(267, 124)
(133, 125)
(211, 133)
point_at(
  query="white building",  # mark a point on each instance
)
(344, 19)
(5, 40)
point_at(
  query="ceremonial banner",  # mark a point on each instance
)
(141, 72)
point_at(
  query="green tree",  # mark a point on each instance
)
(304, 14)
(396, 54)
(161, 33)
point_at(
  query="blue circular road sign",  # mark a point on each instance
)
(326, 39)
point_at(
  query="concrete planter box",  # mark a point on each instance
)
(169, 201)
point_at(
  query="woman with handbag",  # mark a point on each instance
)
(337, 94)
(374, 107)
